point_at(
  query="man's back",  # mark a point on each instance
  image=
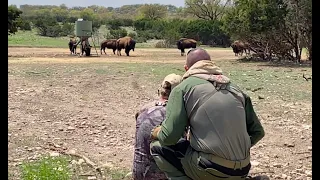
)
(217, 120)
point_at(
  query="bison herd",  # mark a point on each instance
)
(127, 43)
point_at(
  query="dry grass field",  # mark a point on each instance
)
(63, 103)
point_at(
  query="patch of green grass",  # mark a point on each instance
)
(32, 39)
(117, 174)
(53, 168)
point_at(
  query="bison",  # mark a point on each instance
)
(72, 46)
(109, 44)
(85, 47)
(238, 47)
(185, 43)
(126, 43)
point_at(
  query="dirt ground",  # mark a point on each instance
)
(87, 104)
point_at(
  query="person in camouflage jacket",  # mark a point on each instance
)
(149, 116)
(223, 126)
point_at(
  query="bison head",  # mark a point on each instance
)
(179, 44)
(132, 44)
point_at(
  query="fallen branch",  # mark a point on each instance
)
(306, 78)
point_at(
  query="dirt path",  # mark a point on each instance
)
(87, 104)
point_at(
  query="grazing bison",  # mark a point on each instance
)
(185, 43)
(72, 46)
(126, 43)
(238, 47)
(109, 44)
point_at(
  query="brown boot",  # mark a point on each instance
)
(263, 177)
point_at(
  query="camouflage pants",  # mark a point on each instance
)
(181, 162)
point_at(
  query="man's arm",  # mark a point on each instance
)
(173, 127)
(254, 127)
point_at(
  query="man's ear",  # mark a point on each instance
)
(186, 67)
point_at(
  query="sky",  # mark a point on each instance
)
(106, 3)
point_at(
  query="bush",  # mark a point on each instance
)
(133, 35)
(162, 44)
(118, 33)
(67, 29)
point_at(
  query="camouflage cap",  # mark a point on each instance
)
(173, 79)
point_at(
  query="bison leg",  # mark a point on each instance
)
(127, 51)
(114, 51)
(182, 52)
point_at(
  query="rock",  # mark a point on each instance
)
(108, 165)
(72, 152)
(308, 173)
(289, 144)
(74, 162)
(92, 177)
(309, 148)
(60, 129)
(54, 154)
(255, 163)
(283, 176)
(277, 165)
(38, 148)
(70, 128)
(80, 161)
(260, 97)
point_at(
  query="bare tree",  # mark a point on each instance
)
(207, 9)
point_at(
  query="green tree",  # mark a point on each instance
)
(89, 15)
(153, 11)
(118, 33)
(13, 17)
(207, 9)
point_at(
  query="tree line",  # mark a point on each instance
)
(274, 28)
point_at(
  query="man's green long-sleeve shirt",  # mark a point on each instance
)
(177, 118)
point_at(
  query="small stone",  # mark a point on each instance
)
(38, 148)
(277, 165)
(310, 148)
(70, 128)
(92, 177)
(308, 173)
(288, 144)
(54, 154)
(60, 129)
(283, 176)
(107, 165)
(74, 162)
(80, 161)
(255, 163)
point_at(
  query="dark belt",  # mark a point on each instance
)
(232, 168)
(238, 164)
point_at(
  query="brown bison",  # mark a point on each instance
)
(72, 46)
(238, 47)
(185, 43)
(109, 44)
(126, 43)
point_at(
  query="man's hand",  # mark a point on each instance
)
(154, 132)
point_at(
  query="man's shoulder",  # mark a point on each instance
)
(190, 82)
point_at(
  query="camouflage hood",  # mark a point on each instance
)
(207, 70)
